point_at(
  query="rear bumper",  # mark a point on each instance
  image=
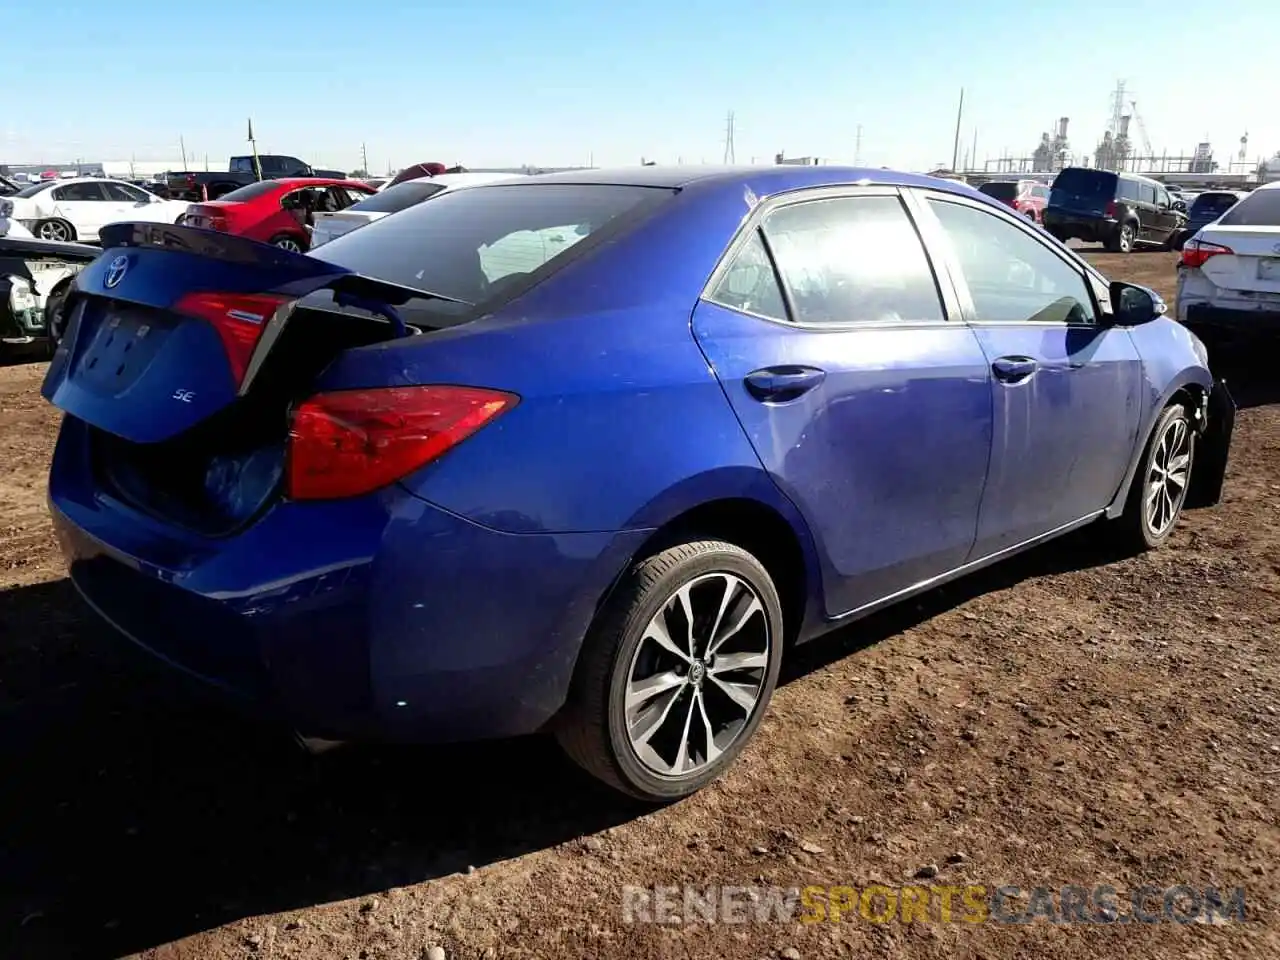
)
(1071, 227)
(1206, 316)
(382, 617)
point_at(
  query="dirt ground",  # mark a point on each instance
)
(1064, 718)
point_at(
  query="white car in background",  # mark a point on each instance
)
(76, 209)
(389, 200)
(1229, 274)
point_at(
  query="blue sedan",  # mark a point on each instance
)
(585, 453)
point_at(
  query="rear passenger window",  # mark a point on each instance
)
(852, 260)
(1127, 190)
(1146, 193)
(750, 284)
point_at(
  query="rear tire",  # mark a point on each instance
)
(55, 321)
(1155, 497)
(646, 714)
(54, 229)
(1122, 240)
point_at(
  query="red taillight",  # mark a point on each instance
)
(351, 442)
(1111, 209)
(1195, 253)
(239, 319)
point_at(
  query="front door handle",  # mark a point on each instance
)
(780, 384)
(1014, 369)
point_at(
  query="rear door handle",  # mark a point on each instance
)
(780, 384)
(1014, 369)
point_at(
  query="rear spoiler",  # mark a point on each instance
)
(298, 274)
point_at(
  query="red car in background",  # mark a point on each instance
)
(278, 212)
(1028, 197)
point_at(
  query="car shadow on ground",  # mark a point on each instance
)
(1251, 371)
(134, 811)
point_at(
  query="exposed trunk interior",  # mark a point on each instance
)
(221, 474)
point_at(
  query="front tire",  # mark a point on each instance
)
(287, 241)
(1159, 488)
(676, 672)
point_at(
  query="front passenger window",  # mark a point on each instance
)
(1012, 276)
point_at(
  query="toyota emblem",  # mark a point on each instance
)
(116, 271)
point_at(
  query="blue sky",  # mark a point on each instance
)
(568, 81)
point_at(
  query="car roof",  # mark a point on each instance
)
(461, 179)
(777, 178)
(291, 183)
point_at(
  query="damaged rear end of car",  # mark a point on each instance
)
(196, 441)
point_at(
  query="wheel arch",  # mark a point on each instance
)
(748, 510)
(1193, 387)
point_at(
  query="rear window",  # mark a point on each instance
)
(483, 245)
(1214, 203)
(1004, 192)
(252, 191)
(397, 198)
(31, 190)
(1259, 209)
(1098, 184)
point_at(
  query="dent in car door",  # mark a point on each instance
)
(1066, 391)
(868, 408)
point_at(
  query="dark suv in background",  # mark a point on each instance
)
(1205, 209)
(1121, 210)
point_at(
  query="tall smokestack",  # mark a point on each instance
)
(1062, 127)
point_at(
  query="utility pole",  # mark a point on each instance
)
(257, 164)
(955, 150)
(857, 148)
(364, 159)
(974, 154)
(182, 144)
(728, 139)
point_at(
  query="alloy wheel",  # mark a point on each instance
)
(291, 245)
(697, 675)
(1167, 477)
(53, 230)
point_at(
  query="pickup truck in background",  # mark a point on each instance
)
(198, 186)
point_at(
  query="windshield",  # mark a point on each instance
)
(484, 245)
(253, 190)
(1259, 209)
(32, 189)
(399, 197)
(1004, 192)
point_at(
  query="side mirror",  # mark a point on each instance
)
(1180, 206)
(1132, 305)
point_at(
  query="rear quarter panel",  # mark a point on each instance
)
(621, 423)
